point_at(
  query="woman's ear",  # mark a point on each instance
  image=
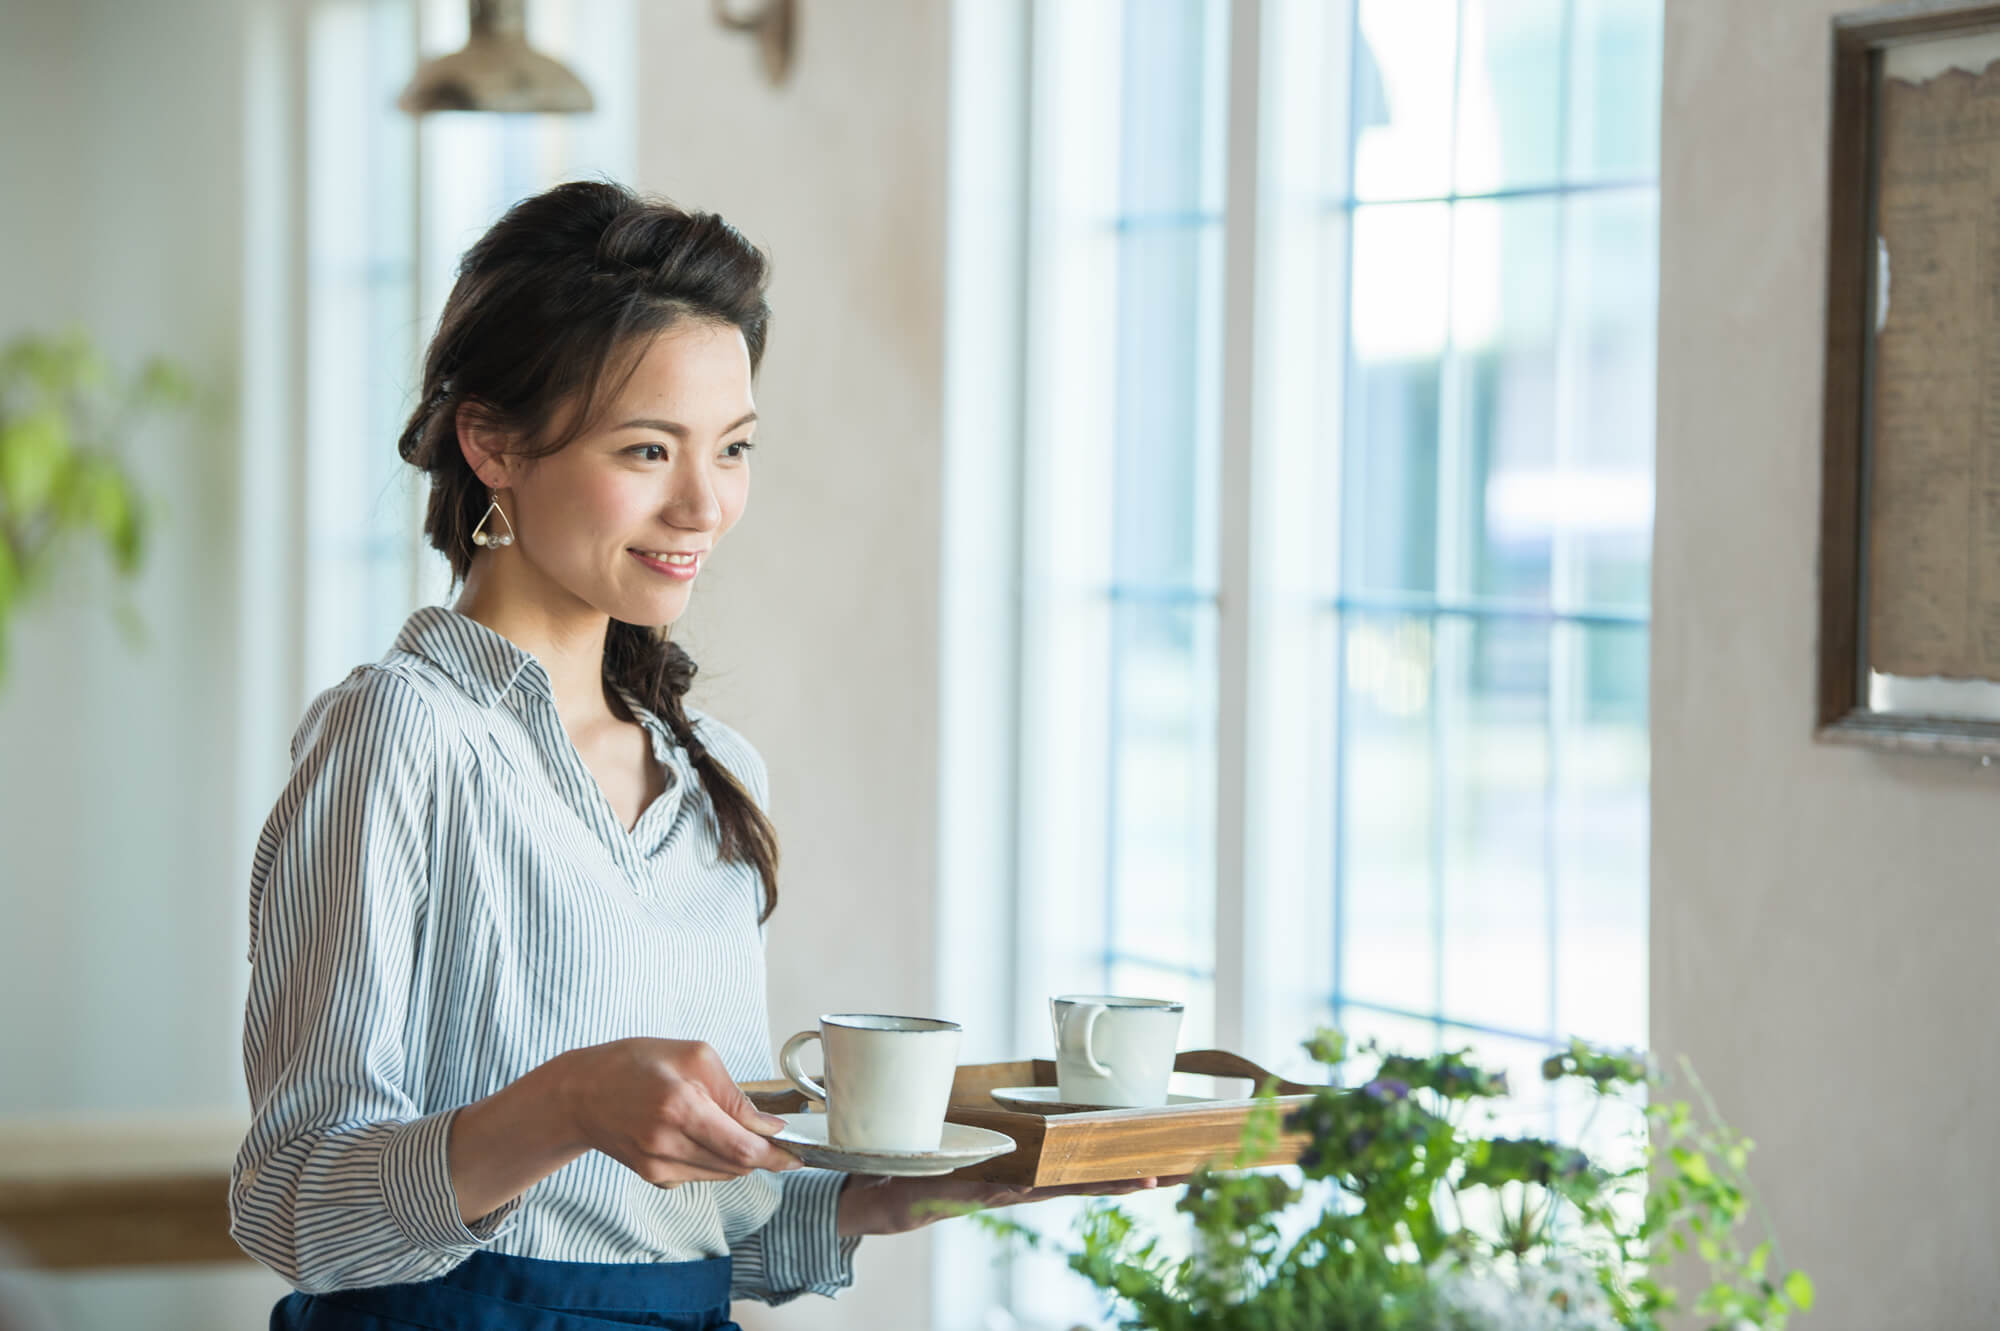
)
(485, 448)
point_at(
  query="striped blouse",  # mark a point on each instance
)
(442, 900)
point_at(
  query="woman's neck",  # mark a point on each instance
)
(569, 643)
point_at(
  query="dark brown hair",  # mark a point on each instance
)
(547, 303)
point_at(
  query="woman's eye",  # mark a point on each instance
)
(740, 448)
(647, 449)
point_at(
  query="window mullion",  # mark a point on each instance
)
(1236, 996)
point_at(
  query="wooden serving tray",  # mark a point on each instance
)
(1102, 1145)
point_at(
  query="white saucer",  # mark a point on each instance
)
(805, 1137)
(1047, 1100)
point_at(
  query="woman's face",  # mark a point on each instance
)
(626, 516)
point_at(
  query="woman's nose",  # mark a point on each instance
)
(693, 503)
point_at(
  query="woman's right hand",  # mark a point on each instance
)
(667, 1110)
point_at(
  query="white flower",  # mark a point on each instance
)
(1550, 1296)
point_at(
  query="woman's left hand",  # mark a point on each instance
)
(872, 1204)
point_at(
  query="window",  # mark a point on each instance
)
(1495, 202)
(1120, 584)
(1336, 522)
(1487, 619)
(391, 203)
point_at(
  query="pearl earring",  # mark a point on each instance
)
(480, 535)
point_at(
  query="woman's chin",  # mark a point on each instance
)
(655, 610)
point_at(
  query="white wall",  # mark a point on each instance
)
(122, 864)
(816, 630)
(1823, 918)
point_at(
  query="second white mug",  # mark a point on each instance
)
(1112, 1050)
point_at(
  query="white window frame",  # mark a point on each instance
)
(1272, 792)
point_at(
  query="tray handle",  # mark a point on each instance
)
(775, 1097)
(1222, 1063)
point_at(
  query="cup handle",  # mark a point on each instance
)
(1073, 1036)
(788, 1059)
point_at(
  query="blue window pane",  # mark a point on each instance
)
(1398, 321)
(1388, 833)
(1602, 834)
(1607, 501)
(1494, 682)
(1505, 278)
(361, 338)
(1614, 123)
(1529, 1108)
(1509, 94)
(1162, 753)
(1169, 165)
(1404, 60)
(1166, 370)
(1414, 1037)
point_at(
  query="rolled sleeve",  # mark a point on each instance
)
(344, 1181)
(416, 1185)
(799, 1250)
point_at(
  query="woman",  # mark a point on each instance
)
(507, 915)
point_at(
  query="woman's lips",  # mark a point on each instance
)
(680, 571)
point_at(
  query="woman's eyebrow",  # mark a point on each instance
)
(675, 429)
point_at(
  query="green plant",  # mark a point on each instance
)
(64, 417)
(1404, 1216)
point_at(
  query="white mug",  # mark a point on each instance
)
(888, 1078)
(1114, 1051)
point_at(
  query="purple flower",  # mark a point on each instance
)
(1386, 1088)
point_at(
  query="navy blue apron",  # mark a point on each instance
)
(492, 1292)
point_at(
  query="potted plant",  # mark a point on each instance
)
(64, 417)
(1406, 1214)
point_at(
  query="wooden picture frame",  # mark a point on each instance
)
(1909, 649)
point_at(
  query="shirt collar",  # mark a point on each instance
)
(487, 664)
(483, 663)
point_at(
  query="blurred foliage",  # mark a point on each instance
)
(1403, 1214)
(65, 418)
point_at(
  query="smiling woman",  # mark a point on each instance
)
(508, 845)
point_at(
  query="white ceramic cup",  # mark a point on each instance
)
(1114, 1051)
(888, 1079)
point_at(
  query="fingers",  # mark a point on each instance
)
(705, 1124)
(1109, 1188)
(709, 1070)
(696, 1155)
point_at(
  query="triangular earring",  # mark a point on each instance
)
(479, 533)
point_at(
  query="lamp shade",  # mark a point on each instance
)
(496, 71)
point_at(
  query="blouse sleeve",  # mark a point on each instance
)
(341, 1182)
(798, 1251)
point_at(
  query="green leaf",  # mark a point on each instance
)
(1799, 1289)
(164, 383)
(33, 449)
(1759, 1258)
(1695, 1165)
(105, 500)
(128, 543)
